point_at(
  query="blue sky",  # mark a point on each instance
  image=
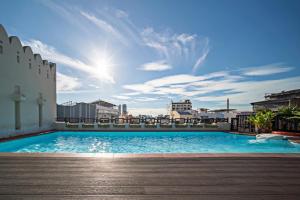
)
(147, 53)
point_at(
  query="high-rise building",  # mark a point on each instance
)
(124, 109)
(27, 89)
(120, 109)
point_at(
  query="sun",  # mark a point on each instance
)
(103, 64)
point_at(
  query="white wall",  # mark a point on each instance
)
(31, 84)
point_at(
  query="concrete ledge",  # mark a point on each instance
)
(146, 130)
(62, 126)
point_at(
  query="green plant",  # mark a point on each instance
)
(289, 112)
(150, 126)
(165, 126)
(87, 125)
(211, 126)
(262, 121)
(181, 125)
(197, 126)
(119, 125)
(68, 125)
(134, 126)
(103, 125)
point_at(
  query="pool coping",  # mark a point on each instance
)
(6, 139)
(153, 155)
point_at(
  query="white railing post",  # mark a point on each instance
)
(173, 125)
(189, 125)
(80, 125)
(157, 125)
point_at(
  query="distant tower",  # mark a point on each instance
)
(120, 109)
(124, 109)
(227, 105)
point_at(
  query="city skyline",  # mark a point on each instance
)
(145, 54)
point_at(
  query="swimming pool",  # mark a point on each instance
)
(147, 142)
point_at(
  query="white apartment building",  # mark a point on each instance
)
(184, 105)
(27, 89)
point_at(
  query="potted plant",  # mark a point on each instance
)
(290, 116)
(289, 112)
(262, 121)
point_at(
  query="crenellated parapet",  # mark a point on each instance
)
(12, 48)
(27, 88)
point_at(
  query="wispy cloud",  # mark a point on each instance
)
(121, 13)
(104, 25)
(66, 12)
(171, 83)
(160, 65)
(177, 49)
(145, 99)
(266, 70)
(49, 52)
(121, 97)
(202, 57)
(66, 83)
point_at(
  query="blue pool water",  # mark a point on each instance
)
(147, 142)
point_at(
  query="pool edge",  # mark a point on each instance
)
(158, 155)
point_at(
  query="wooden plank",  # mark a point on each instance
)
(150, 190)
(128, 181)
(149, 197)
(133, 170)
(144, 166)
(196, 174)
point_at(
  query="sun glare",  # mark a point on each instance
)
(103, 65)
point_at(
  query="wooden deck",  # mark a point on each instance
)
(141, 178)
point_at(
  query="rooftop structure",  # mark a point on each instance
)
(105, 109)
(283, 94)
(222, 110)
(225, 113)
(103, 103)
(273, 101)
